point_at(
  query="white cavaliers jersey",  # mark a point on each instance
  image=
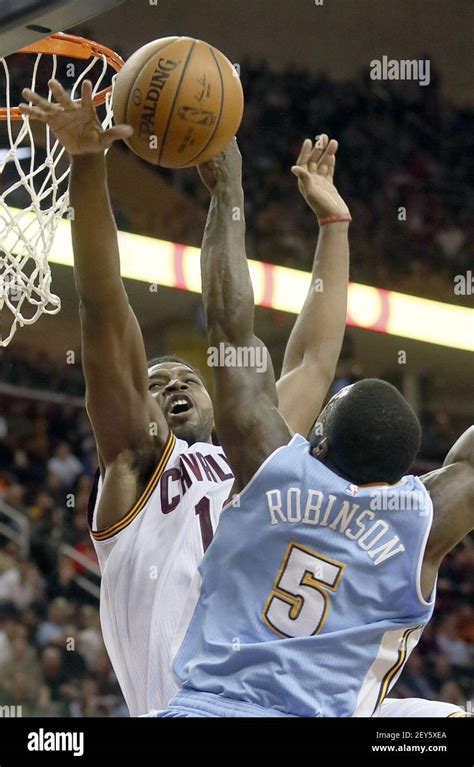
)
(147, 561)
(397, 708)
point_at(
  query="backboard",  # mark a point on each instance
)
(23, 22)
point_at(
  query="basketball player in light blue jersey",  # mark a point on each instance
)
(113, 380)
(322, 573)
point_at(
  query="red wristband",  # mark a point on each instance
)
(333, 219)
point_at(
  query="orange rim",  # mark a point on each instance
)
(73, 47)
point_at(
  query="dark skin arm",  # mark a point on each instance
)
(452, 492)
(248, 423)
(113, 353)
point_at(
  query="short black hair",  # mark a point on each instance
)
(373, 433)
(178, 361)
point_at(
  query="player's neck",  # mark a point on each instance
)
(329, 463)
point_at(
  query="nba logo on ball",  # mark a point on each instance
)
(197, 116)
(183, 100)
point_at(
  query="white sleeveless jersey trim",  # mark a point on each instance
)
(419, 593)
(418, 707)
(394, 650)
(121, 524)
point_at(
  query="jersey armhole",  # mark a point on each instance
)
(419, 565)
(125, 521)
(92, 502)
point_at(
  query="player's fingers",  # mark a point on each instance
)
(305, 152)
(301, 173)
(86, 93)
(330, 166)
(116, 133)
(332, 149)
(34, 112)
(325, 162)
(59, 93)
(319, 148)
(37, 100)
(328, 160)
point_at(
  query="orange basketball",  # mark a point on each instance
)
(183, 99)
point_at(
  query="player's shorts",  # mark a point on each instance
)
(203, 705)
(412, 707)
(200, 704)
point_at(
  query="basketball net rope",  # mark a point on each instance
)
(27, 235)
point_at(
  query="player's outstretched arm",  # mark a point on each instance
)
(451, 489)
(315, 342)
(113, 352)
(248, 423)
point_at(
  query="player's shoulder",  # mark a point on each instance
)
(411, 482)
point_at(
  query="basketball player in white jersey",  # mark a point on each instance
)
(162, 481)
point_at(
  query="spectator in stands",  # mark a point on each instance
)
(90, 643)
(457, 651)
(53, 485)
(438, 436)
(443, 679)
(47, 536)
(14, 496)
(65, 465)
(54, 629)
(24, 661)
(18, 692)
(62, 582)
(88, 701)
(21, 584)
(8, 555)
(10, 628)
(58, 681)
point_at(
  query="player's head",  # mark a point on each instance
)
(367, 433)
(181, 393)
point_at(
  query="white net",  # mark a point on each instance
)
(33, 200)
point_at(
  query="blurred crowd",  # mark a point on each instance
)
(22, 367)
(52, 657)
(401, 149)
(405, 167)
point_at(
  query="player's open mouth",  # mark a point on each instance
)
(179, 405)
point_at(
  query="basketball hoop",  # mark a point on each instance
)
(27, 234)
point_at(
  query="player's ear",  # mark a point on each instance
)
(321, 449)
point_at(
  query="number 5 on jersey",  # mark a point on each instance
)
(299, 603)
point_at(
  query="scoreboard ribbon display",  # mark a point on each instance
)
(279, 287)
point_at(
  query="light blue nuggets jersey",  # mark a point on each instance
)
(310, 598)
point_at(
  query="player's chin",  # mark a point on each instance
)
(180, 420)
(191, 430)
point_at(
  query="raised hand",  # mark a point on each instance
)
(225, 169)
(75, 124)
(314, 170)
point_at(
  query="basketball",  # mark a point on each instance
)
(183, 99)
(253, 366)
